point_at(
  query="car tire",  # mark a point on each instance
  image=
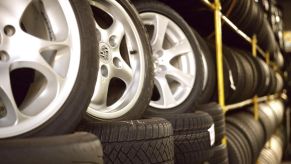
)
(125, 80)
(178, 64)
(215, 111)
(193, 136)
(134, 141)
(80, 147)
(60, 67)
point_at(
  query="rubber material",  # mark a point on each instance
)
(74, 148)
(135, 141)
(215, 111)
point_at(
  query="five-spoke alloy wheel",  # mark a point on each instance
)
(45, 65)
(124, 82)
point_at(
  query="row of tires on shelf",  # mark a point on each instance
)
(149, 60)
(247, 138)
(249, 16)
(180, 138)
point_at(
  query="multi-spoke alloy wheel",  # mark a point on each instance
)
(177, 61)
(124, 82)
(44, 64)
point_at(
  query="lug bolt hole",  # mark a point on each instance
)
(9, 30)
(112, 41)
(104, 71)
(4, 56)
(117, 62)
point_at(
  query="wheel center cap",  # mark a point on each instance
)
(104, 52)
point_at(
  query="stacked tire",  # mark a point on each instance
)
(134, 141)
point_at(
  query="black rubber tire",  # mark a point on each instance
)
(192, 99)
(71, 112)
(234, 154)
(73, 148)
(245, 92)
(189, 123)
(251, 74)
(141, 104)
(252, 141)
(209, 89)
(267, 79)
(220, 155)
(240, 142)
(263, 79)
(252, 60)
(237, 74)
(255, 128)
(192, 136)
(134, 141)
(215, 111)
(192, 148)
(227, 73)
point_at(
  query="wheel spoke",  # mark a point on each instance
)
(52, 80)
(55, 17)
(125, 72)
(43, 45)
(39, 55)
(180, 76)
(179, 49)
(7, 98)
(102, 32)
(31, 57)
(116, 32)
(101, 91)
(161, 25)
(16, 8)
(165, 91)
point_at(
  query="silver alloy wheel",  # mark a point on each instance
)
(174, 61)
(42, 36)
(121, 59)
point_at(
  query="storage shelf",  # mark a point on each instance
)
(218, 18)
(235, 28)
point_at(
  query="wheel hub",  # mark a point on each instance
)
(159, 62)
(105, 52)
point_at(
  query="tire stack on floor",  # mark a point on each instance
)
(135, 141)
(219, 150)
(247, 137)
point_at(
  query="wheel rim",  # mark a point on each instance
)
(36, 39)
(174, 61)
(121, 62)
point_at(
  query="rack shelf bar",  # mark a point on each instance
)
(250, 101)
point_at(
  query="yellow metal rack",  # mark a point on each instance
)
(218, 17)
